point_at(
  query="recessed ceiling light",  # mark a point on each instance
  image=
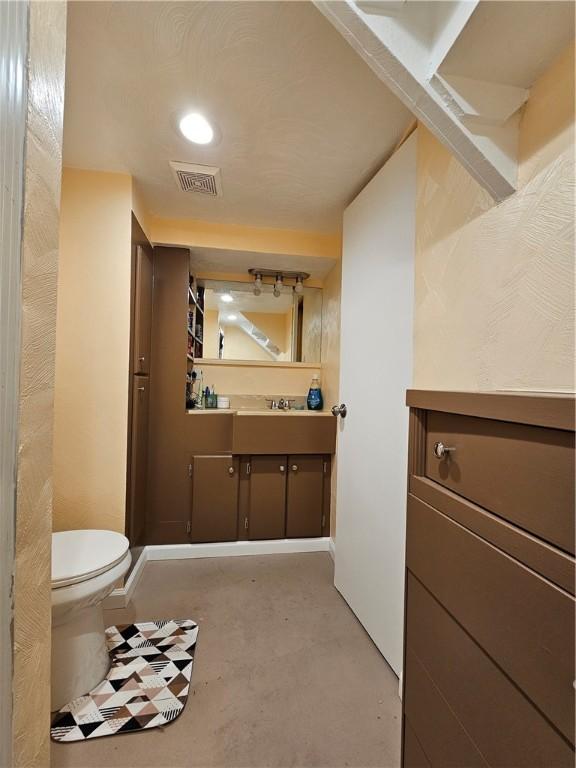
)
(226, 298)
(196, 128)
(232, 318)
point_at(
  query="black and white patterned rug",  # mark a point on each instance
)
(147, 685)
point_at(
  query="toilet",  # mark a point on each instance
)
(86, 565)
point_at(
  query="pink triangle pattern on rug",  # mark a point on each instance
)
(147, 685)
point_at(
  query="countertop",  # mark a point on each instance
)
(245, 412)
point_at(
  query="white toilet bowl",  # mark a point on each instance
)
(85, 568)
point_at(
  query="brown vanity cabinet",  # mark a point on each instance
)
(283, 496)
(265, 516)
(214, 498)
(304, 496)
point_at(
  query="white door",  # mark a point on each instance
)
(375, 371)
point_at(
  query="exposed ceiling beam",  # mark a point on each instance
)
(477, 121)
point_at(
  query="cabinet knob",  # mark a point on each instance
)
(230, 471)
(282, 468)
(142, 359)
(441, 450)
(141, 389)
(294, 467)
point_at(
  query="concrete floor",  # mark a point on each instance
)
(284, 673)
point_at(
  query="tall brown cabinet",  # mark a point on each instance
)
(140, 367)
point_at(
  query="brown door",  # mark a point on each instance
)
(304, 505)
(267, 504)
(214, 498)
(142, 310)
(138, 458)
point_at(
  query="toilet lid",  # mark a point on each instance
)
(81, 555)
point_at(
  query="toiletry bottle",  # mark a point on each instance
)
(315, 401)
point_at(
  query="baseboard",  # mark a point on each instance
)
(121, 597)
(332, 548)
(236, 548)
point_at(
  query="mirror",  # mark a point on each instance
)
(237, 325)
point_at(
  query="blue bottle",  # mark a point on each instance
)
(315, 401)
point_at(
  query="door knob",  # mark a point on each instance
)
(441, 450)
(339, 410)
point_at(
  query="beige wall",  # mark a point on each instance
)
(239, 346)
(32, 577)
(210, 331)
(257, 379)
(92, 351)
(495, 284)
(331, 358)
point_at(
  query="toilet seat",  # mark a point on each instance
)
(81, 555)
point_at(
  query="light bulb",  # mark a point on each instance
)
(278, 285)
(258, 285)
(226, 298)
(196, 128)
(299, 287)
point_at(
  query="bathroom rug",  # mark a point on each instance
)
(147, 685)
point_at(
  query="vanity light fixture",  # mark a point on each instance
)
(226, 298)
(196, 128)
(278, 285)
(258, 284)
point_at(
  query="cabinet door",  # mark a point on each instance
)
(138, 458)
(142, 310)
(214, 499)
(267, 504)
(304, 507)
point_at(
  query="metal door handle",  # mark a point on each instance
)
(141, 389)
(441, 450)
(339, 410)
(294, 467)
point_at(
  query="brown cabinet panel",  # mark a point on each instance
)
(505, 727)
(267, 504)
(214, 498)
(522, 473)
(304, 507)
(138, 459)
(524, 623)
(277, 433)
(413, 754)
(142, 310)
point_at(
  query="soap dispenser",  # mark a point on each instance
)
(315, 401)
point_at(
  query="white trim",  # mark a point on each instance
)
(332, 548)
(236, 548)
(121, 597)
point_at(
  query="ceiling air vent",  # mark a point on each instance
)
(204, 179)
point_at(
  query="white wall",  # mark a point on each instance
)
(375, 371)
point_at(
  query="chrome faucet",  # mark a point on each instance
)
(284, 404)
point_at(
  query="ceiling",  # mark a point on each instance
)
(227, 261)
(511, 42)
(303, 122)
